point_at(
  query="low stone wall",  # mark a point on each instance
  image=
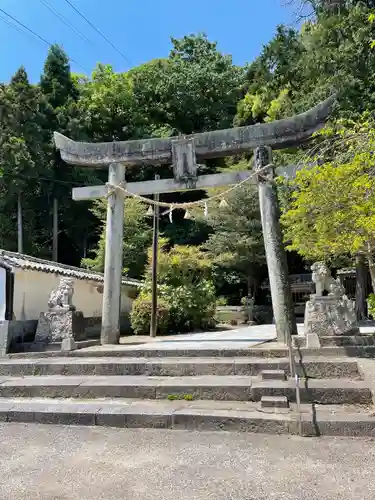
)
(263, 315)
(235, 315)
(93, 327)
(15, 333)
(230, 315)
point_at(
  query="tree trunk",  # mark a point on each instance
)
(19, 225)
(360, 288)
(371, 266)
(249, 285)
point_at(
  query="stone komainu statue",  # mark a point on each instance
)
(333, 314)
(324, 282)
(61, 299)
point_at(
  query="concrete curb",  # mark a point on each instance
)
(125, 416)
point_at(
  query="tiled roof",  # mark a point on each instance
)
(22, 261)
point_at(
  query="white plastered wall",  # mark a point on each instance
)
(33, 288)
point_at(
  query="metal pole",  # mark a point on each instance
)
(295, 375)
(19, 225)
(155, 240)
(55, 231)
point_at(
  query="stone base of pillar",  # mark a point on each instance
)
(109, 336)
(330, 315)
(57, 326)
(68, 344)
(312, 341)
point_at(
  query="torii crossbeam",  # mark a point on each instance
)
(184, 154)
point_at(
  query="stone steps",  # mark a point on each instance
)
(199, 388)
(354, 341)
(207, 387)
(197, 415)
(273, 375)
(275, 402)
(348, 340)
(308, 367)
(163, 352)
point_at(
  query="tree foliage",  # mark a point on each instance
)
(195, 89)
(137, 238)
(236, 241)
(331, 53)
(331, 212)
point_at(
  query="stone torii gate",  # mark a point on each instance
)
(183, 153)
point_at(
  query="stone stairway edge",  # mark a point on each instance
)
(334, 422)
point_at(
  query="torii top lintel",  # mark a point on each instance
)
(219, 143)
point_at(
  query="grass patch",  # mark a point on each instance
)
(180, 397)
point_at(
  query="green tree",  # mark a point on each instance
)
(56, 81)
(21, 160)
(137, 238)
(236, 242)
(108, 107)
(63, 115)
(331, 211)
(194, 90)
(331, 53)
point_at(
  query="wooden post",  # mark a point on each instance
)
(155, 239)
(19, 225)
(55, 231)
(282, 304)
(110, 332)
(360, 287)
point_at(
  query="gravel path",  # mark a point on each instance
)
(73, 463)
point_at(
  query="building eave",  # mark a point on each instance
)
(14, 260)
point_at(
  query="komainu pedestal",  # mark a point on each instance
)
(331, 314)
(61, 323)
(55, 326)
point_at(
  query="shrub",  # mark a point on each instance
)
(371, 304)
(140, 316)
(191, 307)
(221, 302)
(185, 286)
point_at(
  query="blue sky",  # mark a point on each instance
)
(141, 29)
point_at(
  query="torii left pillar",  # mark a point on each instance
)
(110, 333)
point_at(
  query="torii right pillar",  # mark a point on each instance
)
(281, 294)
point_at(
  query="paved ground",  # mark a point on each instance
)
(73, 463)
(242, 337)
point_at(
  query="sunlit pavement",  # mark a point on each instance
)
(75, 463)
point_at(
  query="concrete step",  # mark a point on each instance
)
(160, 352)
(276, 402)
(210, 387)
(197, 415)
(348, 340)
(273, 375)
(321, 391)
(358, 342)
(308, 367)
